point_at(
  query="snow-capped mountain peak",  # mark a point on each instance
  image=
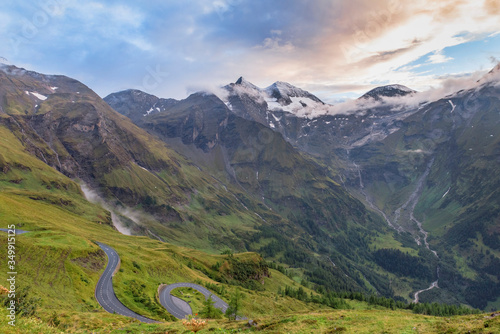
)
(280, 97)
(245, 83)
(283, 92)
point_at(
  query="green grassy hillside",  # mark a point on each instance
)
(60, 263)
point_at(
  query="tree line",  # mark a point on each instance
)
(337, 300)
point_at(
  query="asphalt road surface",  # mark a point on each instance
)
(172, 306)
(104, 292)
(179, 308)
(18, 231)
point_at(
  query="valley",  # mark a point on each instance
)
(392, 142)
(301, 212)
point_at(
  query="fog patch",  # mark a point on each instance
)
(218, 91)
(248, 89)
(450, 87)
(93, 197)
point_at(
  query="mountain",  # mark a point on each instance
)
(392, 157)
(203, 177)
(149, 188)
(322, 218)
(388, 91)
(287, 94)
(313, 126)
(139, 102)
(417, 166)
(437, 178)
(265, 105)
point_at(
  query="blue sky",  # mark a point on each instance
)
(335, 49)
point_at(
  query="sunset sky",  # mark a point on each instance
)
(335, 49)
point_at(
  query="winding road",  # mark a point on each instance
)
(175, 306)
(104, 292)
(106, 297)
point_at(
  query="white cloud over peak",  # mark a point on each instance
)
(438, 58)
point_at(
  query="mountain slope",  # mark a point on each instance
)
(142, 103)
(438, 175)
(388, 91)
(324, 217)
(402, 163)
(419, 167)
(60, 263)
(67, 126)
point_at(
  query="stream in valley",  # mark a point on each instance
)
(404, 219)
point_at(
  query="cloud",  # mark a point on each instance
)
(385, 56)
(275, 44)
(449, 85)
(373, 39)
(93, 197)
(437, 57)
(218, 91)
(492, 7)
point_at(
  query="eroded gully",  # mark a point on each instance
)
(408, 209)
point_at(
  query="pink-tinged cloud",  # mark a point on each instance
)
(365, 40)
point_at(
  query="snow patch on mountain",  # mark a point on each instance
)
(277, 119)
(284, 97)
(398, 87)
(284, 91)
(38, 96)
(279, 97)
(299, 106)
(243, 87)
(452, 106)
